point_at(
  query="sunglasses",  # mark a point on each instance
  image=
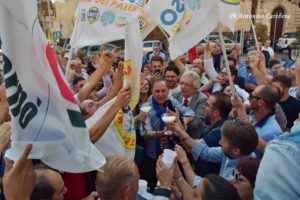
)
(251, 96)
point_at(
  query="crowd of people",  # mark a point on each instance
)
(233, 141)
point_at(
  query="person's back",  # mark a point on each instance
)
(274, 180)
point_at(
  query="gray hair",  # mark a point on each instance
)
(194, 76)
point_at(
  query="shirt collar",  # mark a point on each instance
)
(262, 121)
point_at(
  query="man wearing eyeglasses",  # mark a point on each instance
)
(190, 96)
(262, 103)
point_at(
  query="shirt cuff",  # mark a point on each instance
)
(197, 149)
(163, 192)
(196, 181)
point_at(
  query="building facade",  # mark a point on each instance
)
(281, 16)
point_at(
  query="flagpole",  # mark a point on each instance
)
(72, 49)
(72, 22)
(252, 25)
(226, 61)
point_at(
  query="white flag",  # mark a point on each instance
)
(229, 12)
(99, 22)
(200, 19)
(116, 141)
(62, 1)
(169, 14)
(43, 109)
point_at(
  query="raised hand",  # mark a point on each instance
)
(181, 154)
(4, 135)
(20, 176)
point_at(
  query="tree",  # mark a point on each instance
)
(261, 31)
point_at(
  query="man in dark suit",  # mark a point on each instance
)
(190, 96)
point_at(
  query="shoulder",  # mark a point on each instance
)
(199, 97)
(176, 94)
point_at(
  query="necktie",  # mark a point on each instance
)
(186, 102)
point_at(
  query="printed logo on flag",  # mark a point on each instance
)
(107, 17)
(231, 2)
(121, 21)
(194, 4)
(128, 139)
(93, 15)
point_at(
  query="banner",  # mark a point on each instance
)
(202, 19)
(62, 1)
(229, 12)
(171, 15)
(43, 109)
(99, 22)
(116, 140)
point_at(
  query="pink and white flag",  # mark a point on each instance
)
(43, 109)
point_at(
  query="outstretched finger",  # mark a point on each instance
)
(8, 165)
(24, 157)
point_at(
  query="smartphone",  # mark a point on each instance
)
(156, 71)
(170, 105)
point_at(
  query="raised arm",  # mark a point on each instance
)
(185, 163)
(98, 129)
(104, 67)
(179, 64)
(258, 68)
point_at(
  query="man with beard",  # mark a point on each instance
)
(172, 76)
(238, 140)
(216, 111)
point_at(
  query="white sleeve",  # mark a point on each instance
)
(209, 68)
(242, 93)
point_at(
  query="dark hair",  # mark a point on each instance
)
(283, 80)
(273, 62)
(233, 70)
(76, 80)
(218, 188)
(240, 135)
(270, 94)
(248, 167)
(172, 67)
(157, 58)
(42, 187)
(222, 103)
(231, 58)
(159, 80)
(150, 87)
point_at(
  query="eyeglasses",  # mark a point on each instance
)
(251, 96)
(185, 84)
(223, 73)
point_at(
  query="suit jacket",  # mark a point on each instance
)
(197, 104)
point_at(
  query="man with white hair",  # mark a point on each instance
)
(190, 97)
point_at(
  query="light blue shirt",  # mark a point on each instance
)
(248, 76)
(213, 154)
(267, 128)
(278, 175)
(153, 122)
